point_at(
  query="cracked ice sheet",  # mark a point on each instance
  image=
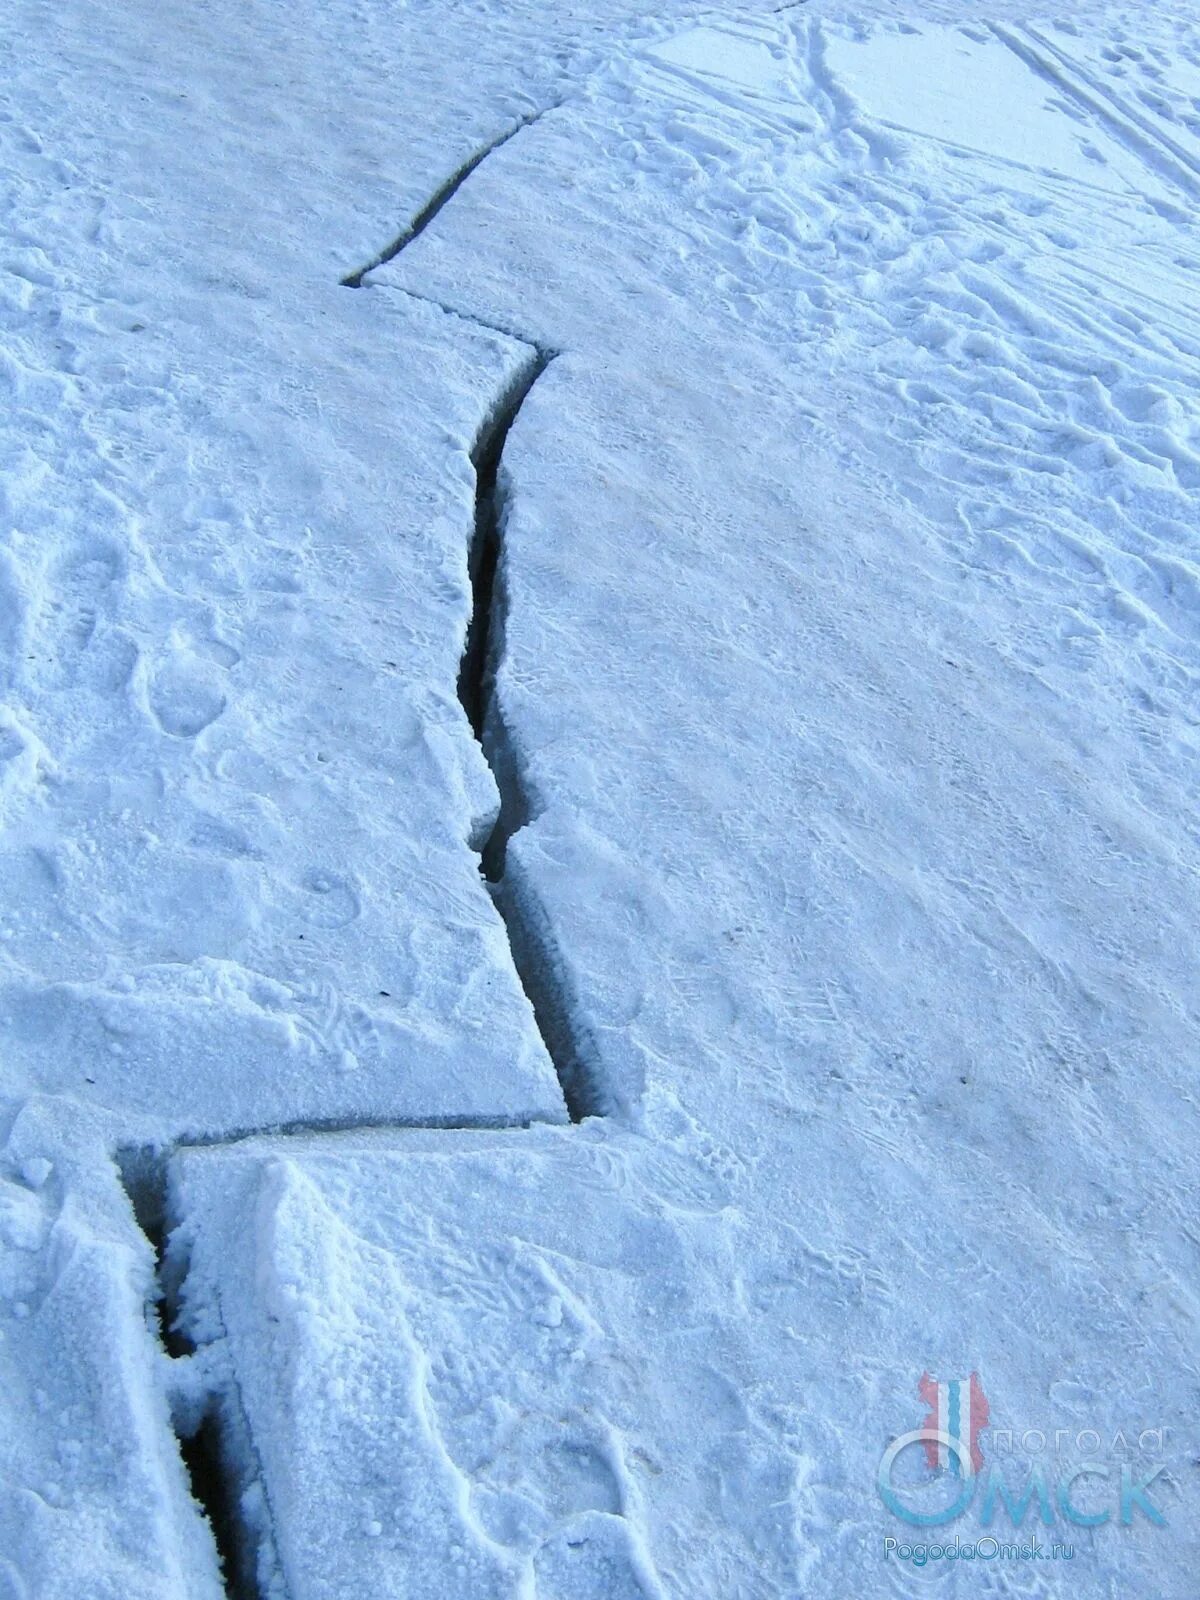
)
(93, 1496)
(849, 1125)
(239, 795)
(240, 888)
(588, 1366)
(236, 785)
(481, 1366)
(864, 836)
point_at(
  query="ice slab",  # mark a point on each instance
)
(240, 859)
(93, 1495)
(472, 1365)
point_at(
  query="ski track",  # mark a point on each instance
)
(942, 284)
(1150, 144)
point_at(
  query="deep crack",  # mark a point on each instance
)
(538, 964)
(214, 1419)
(143, 1167)
(213, 1487)
(476, 673)
(536, 958)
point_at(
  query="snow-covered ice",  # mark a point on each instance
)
(838, 746)
(234, 779)
(441, 1391)
(93, 1495)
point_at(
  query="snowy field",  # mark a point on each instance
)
(600, 647)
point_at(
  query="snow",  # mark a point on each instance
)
(234, 734)
(470, 1373)
(93, 1497)
(843, 747)
(977, 94)
(237, 765)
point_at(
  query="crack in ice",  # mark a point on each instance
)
(441, 197)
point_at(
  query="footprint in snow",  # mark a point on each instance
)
(594, 1557)
(185, 696)
(331, 902)
(77, 595)
(186, 690)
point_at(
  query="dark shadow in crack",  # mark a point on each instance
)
(539, 965)
(476, 672)
(141, 1171)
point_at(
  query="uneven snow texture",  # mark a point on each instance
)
(236, 763)
(845, 653)
(93, 1498)
(237, 507)
(464, 1364)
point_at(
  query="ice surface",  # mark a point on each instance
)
(236, 593)
(451, 1397)
(845, 651)
(245, 783)
(978, 95)
(859, 831)
(619, 1381)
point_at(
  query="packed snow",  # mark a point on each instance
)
(555, 1158)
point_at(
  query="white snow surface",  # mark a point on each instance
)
(845, 649)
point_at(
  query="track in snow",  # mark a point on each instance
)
(1150, 144)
